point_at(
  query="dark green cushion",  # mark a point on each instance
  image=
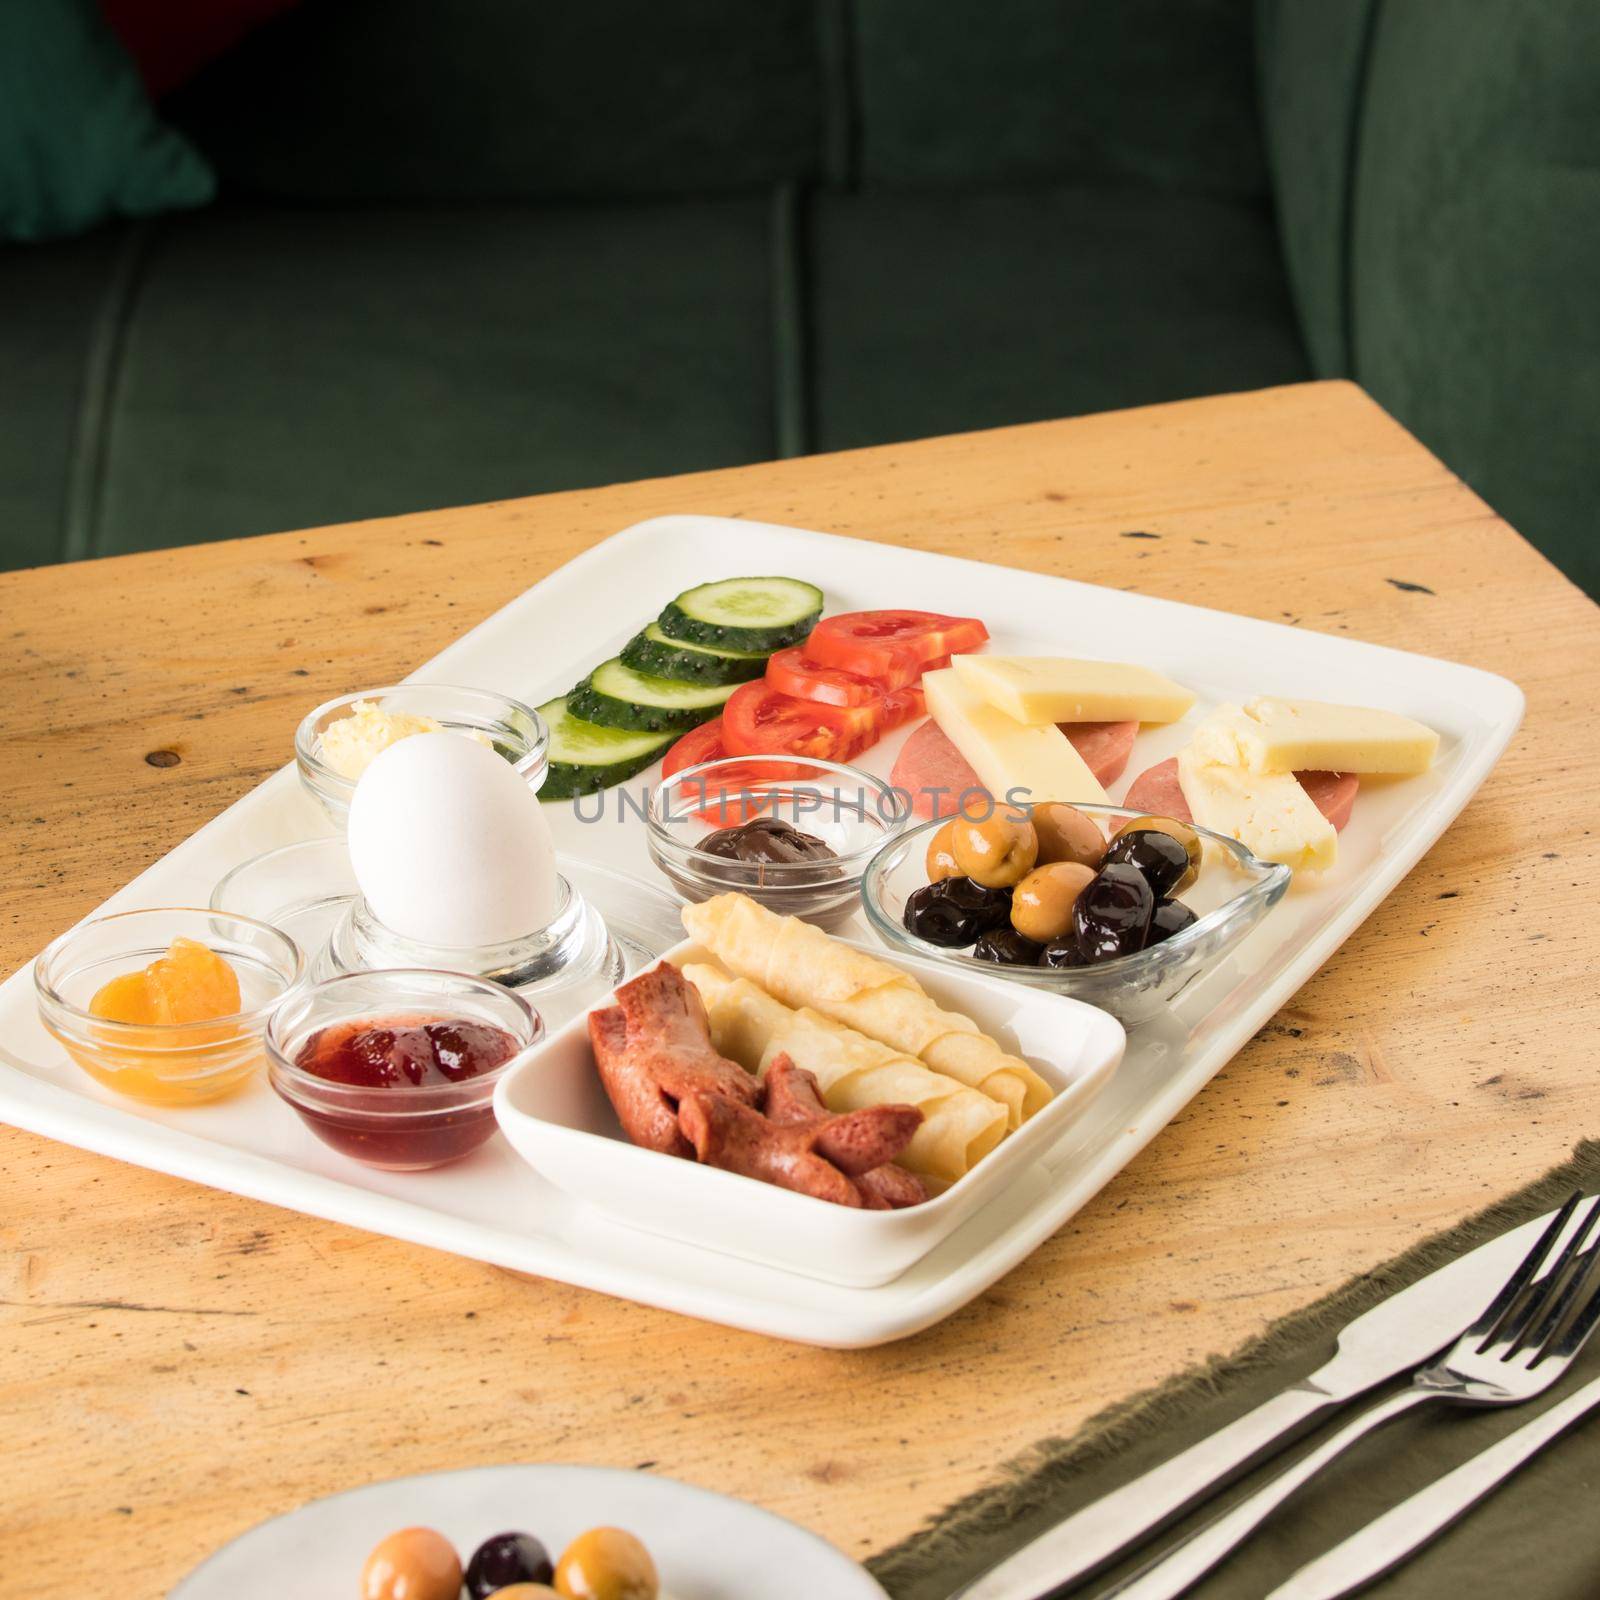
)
(283, 369)
(1477, 253)
(78, 140)
(935, 313)
(1313, 61)
(510, 99)
(987, 91)
(57, 353)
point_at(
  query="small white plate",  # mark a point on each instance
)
(706, 1546)
(552, 1108)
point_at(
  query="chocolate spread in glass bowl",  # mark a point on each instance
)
(766, 841)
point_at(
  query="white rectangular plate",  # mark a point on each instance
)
(494, 1208)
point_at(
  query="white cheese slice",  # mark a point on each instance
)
(1019, 761)
(1268, 812)
(1269, 735)
(1058, 689)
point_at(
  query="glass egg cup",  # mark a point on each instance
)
(854, 813)
(606, 926)
(302, 888)
(165, 1064)
(402, 1128)
(515, 730)
(1234, 891)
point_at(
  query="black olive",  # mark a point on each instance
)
(992, 905)
(505, 1559)
(1162, 859)
(1008, 947)
(1112, 916)
(1170, 917)
(954, 911)
(1063, 953)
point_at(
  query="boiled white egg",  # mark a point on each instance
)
(449, 844)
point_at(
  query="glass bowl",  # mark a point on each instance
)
(515, 730)
(854, 813)
(408, 1127)
(606, 926)
(166, 1064)
(1234, 891)
(302, 888)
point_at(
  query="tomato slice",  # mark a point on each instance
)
(900, 706)
(722, 799)
(761, 720)
(698, 744)
(896, 647)
(790, 673)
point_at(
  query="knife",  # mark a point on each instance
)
(1388, 1540)
(1395, 1336)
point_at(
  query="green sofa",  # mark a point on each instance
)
(470, 251)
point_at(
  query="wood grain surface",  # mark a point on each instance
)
(176, 1364)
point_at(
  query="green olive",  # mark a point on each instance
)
(1041, 905)
(1067, 834)
(941, 859)
(995, 850)
(606, 1564)
(1181, 831)
(413, 1564)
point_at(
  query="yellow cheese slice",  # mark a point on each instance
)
(1267, 812)
(1270, 735)
(1018, 761)
(1057, 689)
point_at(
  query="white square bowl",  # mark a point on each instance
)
(553, 1109)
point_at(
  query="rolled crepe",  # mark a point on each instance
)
(801, 966)
(959, 1125)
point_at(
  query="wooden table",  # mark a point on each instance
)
(178, 1363)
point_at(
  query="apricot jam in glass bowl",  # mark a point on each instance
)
(397, 1068)
(108, 989)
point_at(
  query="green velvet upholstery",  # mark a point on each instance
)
(78, 140)
(54, 336)
(1437, 170)
(356, 100)
(963, 92)
(288, 368)
(1313, 64)
(1476, 253)
(498, 247)
(1037, 303)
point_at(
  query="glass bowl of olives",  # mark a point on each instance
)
(794, 835)
(1120, 911)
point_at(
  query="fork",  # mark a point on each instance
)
(1521, 1345)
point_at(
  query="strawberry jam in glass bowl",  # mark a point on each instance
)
(397, 1068)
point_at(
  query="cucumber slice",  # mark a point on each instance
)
(615, 696)
(744, 613)
(585, 757)
(653, 653)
